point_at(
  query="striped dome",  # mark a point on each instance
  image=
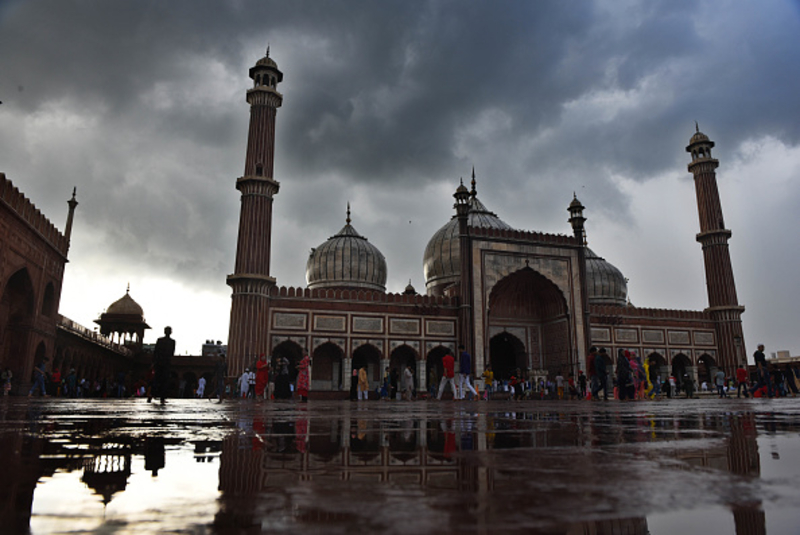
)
(442, 260)
(605, 284)
(346, 260)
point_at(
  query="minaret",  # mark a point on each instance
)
(251, 281)
(465, 316)
(722, 303)
(73, 203)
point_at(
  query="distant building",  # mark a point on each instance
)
(515, 299)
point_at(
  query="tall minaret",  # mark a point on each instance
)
(251, 280)
(722, 303)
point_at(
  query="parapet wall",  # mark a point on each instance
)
(362, 296)
(648, 313)
(18, 203)
(523, 235)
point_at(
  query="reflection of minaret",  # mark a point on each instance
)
(722, 303)
(251, 281)
(743, 460)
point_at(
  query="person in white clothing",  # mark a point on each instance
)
(201, 387)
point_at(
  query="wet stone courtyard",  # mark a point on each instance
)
(193, 466)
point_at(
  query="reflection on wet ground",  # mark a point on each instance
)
(451, 467)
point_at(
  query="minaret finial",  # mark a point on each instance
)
(128, 290)
(267, 49)
(474, 191)
(696, 127)
(348, 213)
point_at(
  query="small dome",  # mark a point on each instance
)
(410, 290)
(442, 259)
(605, 283)
(125, 306)
(698, 137)
(346, 260)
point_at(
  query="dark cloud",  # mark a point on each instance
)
(141, 105)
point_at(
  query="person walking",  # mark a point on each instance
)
(38, 380)
(201, 388)
(220, 372)
(244, 382)
(464, 373)
(624, 379)
(719, 381)
(488, 382)
(448, 376)
(741, 382)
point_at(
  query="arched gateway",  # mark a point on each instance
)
(529, 325)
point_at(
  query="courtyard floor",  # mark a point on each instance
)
(195, 466)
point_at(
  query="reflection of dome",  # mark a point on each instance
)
(605, 283)
(442, 256)
(346, 260)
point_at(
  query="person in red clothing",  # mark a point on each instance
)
(741, 379)
(448, 376)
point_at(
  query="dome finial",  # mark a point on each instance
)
(348, 213)
(267, 50)
(696, 127)
(474, 191)
(128, 290)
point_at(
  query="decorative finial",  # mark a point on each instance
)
(474, 191)
(267, 49)
(696, 127)
(574, 196)
(129, 289)
(348, 213)
(74, 191)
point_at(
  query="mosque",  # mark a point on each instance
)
(516, 299)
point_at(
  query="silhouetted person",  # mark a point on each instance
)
(162, 358)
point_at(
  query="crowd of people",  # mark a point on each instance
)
(632, 378)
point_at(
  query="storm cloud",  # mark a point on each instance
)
(386, 105)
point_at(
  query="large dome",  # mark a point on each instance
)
(605, 283)
(442, 260)
(346, 260)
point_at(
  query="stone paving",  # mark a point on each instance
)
(194, 466)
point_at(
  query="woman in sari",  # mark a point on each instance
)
(262, 376)
(303, 377)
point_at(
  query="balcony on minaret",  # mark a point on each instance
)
(266, 76)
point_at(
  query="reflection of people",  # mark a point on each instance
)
(262, 376)
(303, 376)
(363, 384)
(154, 458)
(162, 357)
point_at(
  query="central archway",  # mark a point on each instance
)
(534, 308)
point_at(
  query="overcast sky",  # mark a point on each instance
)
(141, 105)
